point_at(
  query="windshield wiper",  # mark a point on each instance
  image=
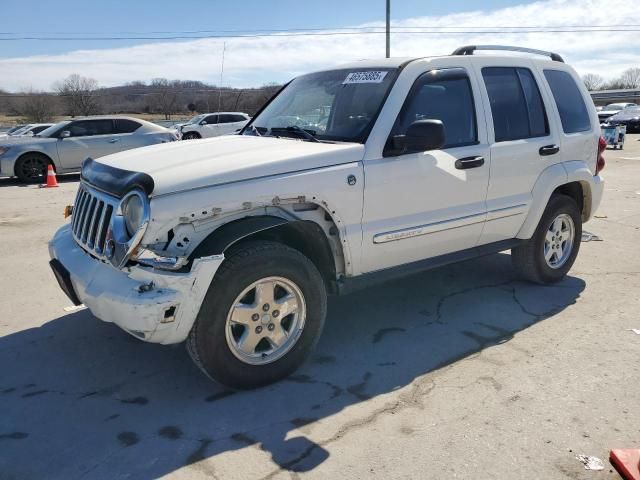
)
(255, 131)
(297, 129)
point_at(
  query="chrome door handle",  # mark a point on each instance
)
(469, 162)
(549, 150)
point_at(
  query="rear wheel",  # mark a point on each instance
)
(31, 167)
(261, 317)
(549, 254)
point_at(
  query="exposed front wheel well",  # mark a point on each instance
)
(309, 239)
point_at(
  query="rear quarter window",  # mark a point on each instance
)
(573, 111)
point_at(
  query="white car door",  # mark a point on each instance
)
(425, 204)
(89, 138)
(209, 127)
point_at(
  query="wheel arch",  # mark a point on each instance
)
(19, 158)
(306, 236)
(573, 179)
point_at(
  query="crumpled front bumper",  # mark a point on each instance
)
(153, 305)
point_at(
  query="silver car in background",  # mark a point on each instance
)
(67, 144)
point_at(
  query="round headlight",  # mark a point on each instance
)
(133, 213)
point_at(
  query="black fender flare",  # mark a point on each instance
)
(222, 238)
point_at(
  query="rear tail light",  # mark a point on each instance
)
(602, 146)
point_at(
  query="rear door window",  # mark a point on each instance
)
(573, 111)
(517, 108)
(226, 118)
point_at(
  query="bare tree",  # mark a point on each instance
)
(79, 94)
(630, 78)
(166, 96)
(36, 107)
(593, 81)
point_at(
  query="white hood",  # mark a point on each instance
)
(191, 164)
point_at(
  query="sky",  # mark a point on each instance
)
(274, 57)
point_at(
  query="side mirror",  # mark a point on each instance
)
(203, 122)
(65, 134)
(29, 134)
(421, 136)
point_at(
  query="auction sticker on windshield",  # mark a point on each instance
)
(364, 77)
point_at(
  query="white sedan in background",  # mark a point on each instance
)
(31, 129)
(67, 144)
(213, 125)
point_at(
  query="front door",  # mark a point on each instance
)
(210, 127)
(89, 138)
(425, 204)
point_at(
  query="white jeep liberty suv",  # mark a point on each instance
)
(346, 177)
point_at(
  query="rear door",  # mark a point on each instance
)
(229, 123)
(89, 138)
(523, 143)
(125, 131)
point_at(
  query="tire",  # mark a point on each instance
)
(214, 342)
(28, 166)
(529, 259)
(191, 136)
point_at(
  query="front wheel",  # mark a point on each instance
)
(261, 317)
(31, 168)
(549, 254)
(190, 136)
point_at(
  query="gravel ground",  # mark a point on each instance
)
(461, 372)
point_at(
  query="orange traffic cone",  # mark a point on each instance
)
(52, 182)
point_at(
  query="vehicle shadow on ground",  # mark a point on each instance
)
(80, 397)
(62, 178)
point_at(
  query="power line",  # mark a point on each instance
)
(324, 29)
(371, 31)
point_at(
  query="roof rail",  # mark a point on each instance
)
(469, 49)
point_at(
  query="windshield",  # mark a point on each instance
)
(47, 132)
(338, 105)
(15, 129)
(195, 119)
(20, 131)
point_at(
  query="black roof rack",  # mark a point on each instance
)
(469, 49)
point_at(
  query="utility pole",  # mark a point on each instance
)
(388, 28)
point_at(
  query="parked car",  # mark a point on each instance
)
(630, 117)
(612, 109)
(67, 144)
(233, 243)
(12, 130)
(31, 129)
(213, 125)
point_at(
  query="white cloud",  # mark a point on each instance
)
(254, 61)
